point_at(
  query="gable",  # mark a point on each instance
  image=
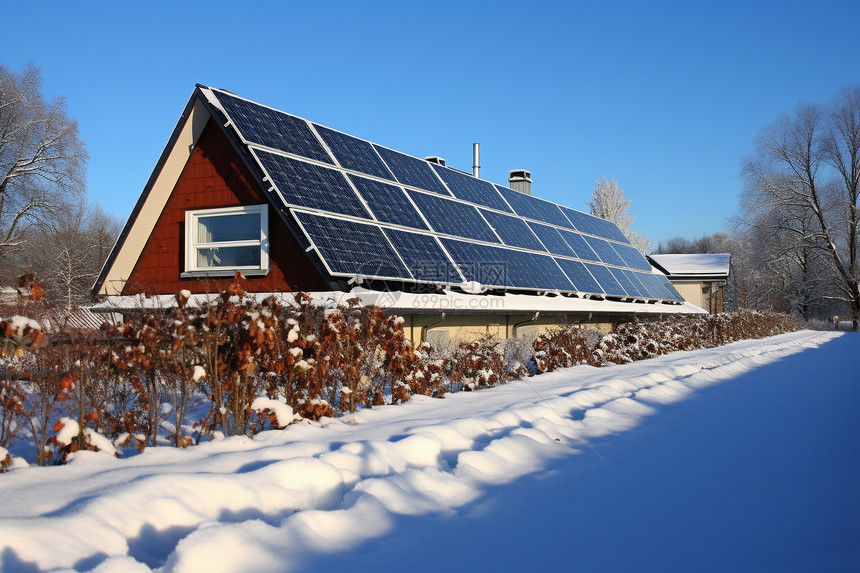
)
(348, 211)
(215, 176)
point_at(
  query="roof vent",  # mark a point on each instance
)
(434, 159)
(521, 180)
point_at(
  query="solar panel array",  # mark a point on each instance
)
(373, 212)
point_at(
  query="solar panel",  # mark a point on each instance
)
(637, 283)
(605, 279)
(659, 286)
(442, 234)
(352, 248)
(472, 189)
(609, 230)
(512, 230)
(424, 257)
(649, 284)
(670, 289)
(605, 251)
(501, 267)
(594, 226)
(579, 275)
(272, 128)
(453, 218)
(632, 257)
(534, 208)
(354, 153)
(579, 246)
(388, 202)
(412, 171)
(310, 185)
(629, 287)
(550, 238)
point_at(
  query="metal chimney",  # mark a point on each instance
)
(521, 180)
(476, 159)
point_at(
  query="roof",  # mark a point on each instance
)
(714, 265)
(55, 318)
(420, 303)
(367, 214)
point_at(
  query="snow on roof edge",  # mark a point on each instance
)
(417, 303)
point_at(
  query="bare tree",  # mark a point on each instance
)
(42, 160)
(801, 191)
(71, 249)
(608, 202)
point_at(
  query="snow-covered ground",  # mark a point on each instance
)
(745, 457)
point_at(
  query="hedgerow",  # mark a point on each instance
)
(639, 340)
(240, 365)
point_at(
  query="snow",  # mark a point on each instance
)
(694, 264)
(740, 458)
(404, 302)
(69, 431)
(283, 413)
(20, 325)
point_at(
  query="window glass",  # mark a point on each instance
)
(227, 238)
(222, 228)
(229, 256)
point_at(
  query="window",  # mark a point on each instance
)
(221, 241)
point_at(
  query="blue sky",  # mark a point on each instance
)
(664, 97)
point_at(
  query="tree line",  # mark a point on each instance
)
(47, 227)
(794, 244)
(794, 241)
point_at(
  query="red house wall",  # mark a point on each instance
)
(215, 176)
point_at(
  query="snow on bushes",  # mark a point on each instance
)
(5, 459)
(633, 341)
(241, 365)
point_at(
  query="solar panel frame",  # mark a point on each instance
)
(472, 189)
(551, 239)
(659, 286)
(632, 257)
(354, 153)
(335, 240)
(585, 223)
(625, 282)
(446, 216)
(424, 257)
(304, 184)
(534, 208)
(271, 128)
(643, 290)
(512, 230)
(609, 230)
(388, 202)
(501, 267)
(580, 277)
(605, 279)
(412, 171)
(605, 251)
(577, 242)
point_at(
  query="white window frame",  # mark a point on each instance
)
(192, 245)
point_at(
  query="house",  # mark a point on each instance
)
(297, 206)
(699, 278)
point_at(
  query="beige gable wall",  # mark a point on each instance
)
(692, 292)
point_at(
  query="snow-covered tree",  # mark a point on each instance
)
(608, 202)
